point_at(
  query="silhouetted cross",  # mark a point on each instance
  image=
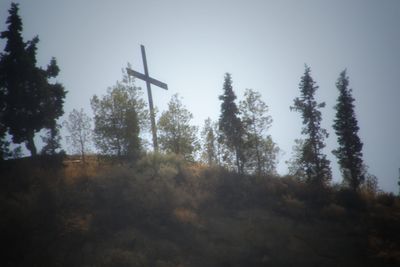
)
(146, 77)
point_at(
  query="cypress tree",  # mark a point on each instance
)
(346, 127)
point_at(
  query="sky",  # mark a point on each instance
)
(263, 44)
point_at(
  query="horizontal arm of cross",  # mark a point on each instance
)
(146, 78)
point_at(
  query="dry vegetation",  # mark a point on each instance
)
(162, 211)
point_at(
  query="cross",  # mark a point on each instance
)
(146, 77)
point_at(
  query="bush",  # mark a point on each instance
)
(350, 200)
(293, 207)
(333, 212)
(386, 199)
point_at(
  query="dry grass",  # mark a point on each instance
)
(162, 211)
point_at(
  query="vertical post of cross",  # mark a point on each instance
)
(152, 115)
(149, 80)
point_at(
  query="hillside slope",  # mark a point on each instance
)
(162, 211)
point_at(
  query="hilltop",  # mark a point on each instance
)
(164, 211)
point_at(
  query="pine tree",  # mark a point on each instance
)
(313, 162)
(30, 101)
(346, 127)
(230, 124)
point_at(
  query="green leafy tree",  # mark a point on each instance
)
(116, 122)
(31, 103)
(80, 132)
(269, 156)
(349, 152)
(176, 135)
(313, 162)
(214, 151)
(294, 164)
(260, 151)
(230, 125)
(209, 143)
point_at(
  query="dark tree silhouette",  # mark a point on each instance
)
(346, 127)
(313, 162)
(52, 141)
(30, 101)
(230, 125)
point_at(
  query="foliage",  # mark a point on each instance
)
(260, 151)
(116, 121)
(80, 131)
(370, 184)
(176, 135)
(346, 127)
(313, 162)
(295, 162)
(230, 125)
(29, 100)
(4, 143)
(52, 141)
(209, 143)
(4, 146)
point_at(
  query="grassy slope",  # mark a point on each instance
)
(164, 212)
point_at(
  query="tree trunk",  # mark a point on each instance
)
(30, 145)
(237, 160)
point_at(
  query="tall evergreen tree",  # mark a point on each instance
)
(346, 127)
(30, 101)
(313, 162)
(230, 124)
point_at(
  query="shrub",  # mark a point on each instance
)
(333, 211)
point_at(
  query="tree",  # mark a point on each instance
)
(116, 121)
(313, 162)
(52, 141)
(176, 135)
(214, 151)
(80, 130)
(209, 143)
(398, 182)
(346, 127)
(260, 151)
(31, 101)
(294, 164)
(269, 156)
(4, 143)
(230, 124)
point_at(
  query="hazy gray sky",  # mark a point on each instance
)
(263, 44)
